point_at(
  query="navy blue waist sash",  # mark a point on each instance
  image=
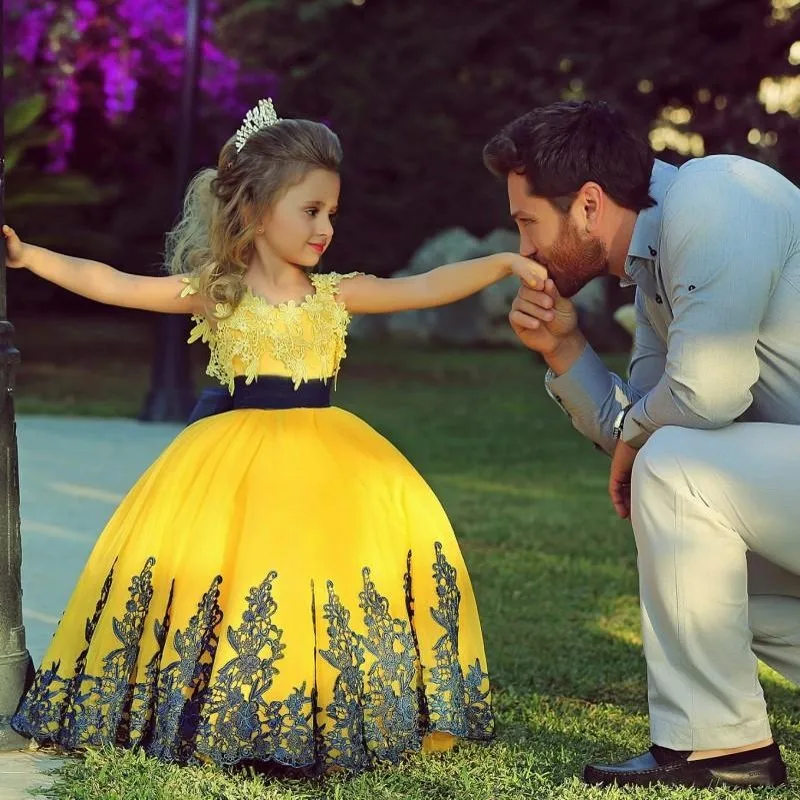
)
(267, 392)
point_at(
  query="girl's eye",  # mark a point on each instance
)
(312, 212)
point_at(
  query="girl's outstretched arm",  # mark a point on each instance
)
(367, 294)
(99, 281)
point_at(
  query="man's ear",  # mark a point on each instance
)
(590, 204)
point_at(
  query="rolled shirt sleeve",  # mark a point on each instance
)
(722, 249)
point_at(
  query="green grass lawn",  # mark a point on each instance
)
(553, 569)
(98, 366)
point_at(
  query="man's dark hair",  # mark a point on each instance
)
(560, 147)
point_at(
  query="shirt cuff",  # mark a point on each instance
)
(583, 389)
(633, 433)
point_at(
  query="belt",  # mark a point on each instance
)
(267, 392)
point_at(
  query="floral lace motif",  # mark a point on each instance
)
(302, 336)
(195, 708)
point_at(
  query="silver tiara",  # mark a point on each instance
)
(262, 116)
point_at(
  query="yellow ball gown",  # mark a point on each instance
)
(280, 586)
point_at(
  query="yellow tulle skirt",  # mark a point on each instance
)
(279, 587)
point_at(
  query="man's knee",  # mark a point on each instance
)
(660, 462)
(663, 467)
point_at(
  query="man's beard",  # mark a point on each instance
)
(574, 261)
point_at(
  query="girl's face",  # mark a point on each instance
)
(298, 229)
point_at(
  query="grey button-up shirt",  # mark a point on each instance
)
(716, 265)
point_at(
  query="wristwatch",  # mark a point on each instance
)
(619, 421)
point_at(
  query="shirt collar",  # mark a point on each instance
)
(647, 230)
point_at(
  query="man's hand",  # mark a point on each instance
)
(546, 322)
(619, 482)
(542, 318)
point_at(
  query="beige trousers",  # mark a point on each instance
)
(716, 516)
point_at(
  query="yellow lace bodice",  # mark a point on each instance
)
(302, 341)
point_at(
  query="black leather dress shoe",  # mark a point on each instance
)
(761, 767)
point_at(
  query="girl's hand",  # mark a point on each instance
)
(15, 249)
(528, 271)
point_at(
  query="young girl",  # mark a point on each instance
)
(280, 586)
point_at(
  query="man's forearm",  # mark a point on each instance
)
(592, 396)
(566, 354)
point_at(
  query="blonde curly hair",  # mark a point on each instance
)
(212, 241)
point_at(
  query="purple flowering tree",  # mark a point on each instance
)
(84, 53)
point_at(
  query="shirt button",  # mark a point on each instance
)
(658, 299)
